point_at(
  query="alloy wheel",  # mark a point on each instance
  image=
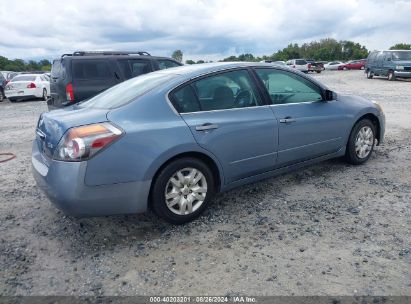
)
(185, 191)
(364, 142)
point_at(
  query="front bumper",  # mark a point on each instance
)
(63, 183)
(402, 74)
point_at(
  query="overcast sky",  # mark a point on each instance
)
(202, 29)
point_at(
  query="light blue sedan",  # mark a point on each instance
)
(171, 139)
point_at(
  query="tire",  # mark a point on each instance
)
(179, 192)
(391, 76)
(11, 99)
(361, 142)
(1, 95)
(318, 72)
(370, 74)
(44, 95)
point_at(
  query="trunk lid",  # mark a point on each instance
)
(53, 125)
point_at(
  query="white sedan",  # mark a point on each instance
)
(333, 65)
(26, 86)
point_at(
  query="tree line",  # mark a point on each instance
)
(323, 50)
(19, 65)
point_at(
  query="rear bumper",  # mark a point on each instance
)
(25, 93)
(63, 183)
(402, 74)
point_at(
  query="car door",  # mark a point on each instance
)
(308, 126)
(227, 117)
(91, 77)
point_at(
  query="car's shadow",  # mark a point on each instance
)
(100, 233)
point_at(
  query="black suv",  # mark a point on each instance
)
(81, 75)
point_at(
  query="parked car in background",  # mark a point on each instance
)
(299, 64)
(26, 86)
(391, 64)
(333, 65)
(315, 66)
(3, 83)
(9, 75)
(353, 65)
(165, 140)
(81, 75)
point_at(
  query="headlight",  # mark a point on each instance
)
(399, 67)
(377, 104)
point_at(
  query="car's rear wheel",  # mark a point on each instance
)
(370, 74)
(44, 94)
(318, 72)
(182, 190)
(361, 142)
(391, 76)
(1, 95)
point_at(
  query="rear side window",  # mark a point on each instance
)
(91, 69)
(300, 62)
(223, 91)
(23, 78)
(134, 67)
(284, 87)
(166, 64)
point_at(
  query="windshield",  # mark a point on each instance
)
(401, 55)
(23, 78)
(126, 91)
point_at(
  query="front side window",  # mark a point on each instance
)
(134, 67)
(284, 87)
(166, 64)
(219, 92)
(91, 69)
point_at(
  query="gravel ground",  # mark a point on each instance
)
(331, 229)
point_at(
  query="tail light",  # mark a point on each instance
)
(32, 85)
(69, 92)
(309, 66)
(81, 143)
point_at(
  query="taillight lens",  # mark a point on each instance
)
(69, 92)
(32, 85)
(81, 143)
(309, 66)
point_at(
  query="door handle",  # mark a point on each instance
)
(206, 126)
(287, 120)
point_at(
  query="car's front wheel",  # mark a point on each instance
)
(391, 76)
(361, 142)
(370, 74)
(182, 190)
(1, 95)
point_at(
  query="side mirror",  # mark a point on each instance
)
(330, 95)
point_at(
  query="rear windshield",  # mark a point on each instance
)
(24, 78)
(125, 92)
(401, 55)
(300, 61)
